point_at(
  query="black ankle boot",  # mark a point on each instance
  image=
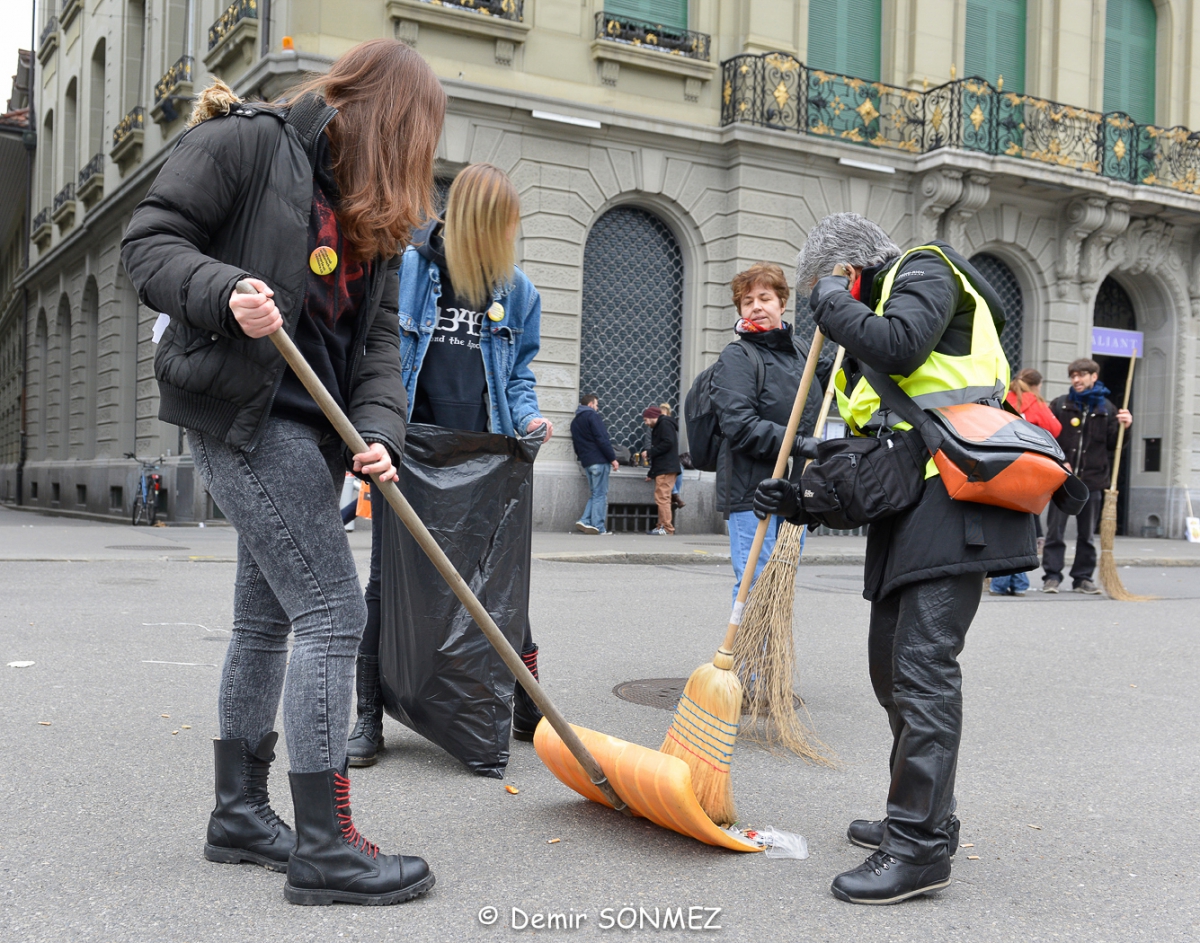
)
(243, 827)
(868, 834)
(366, 739)
(332, 862)
(883, 879)
(525, 713)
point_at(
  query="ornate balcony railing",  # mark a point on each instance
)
(502, 9)
(90, 169)
(677, 42)
(65, 195)
(42, 219)
(134, 121)
(776, 90)
(238, 10)
(48, 31)
(180, 72)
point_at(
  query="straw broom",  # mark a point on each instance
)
(765, 650)
(1109, 577)
(705, 725)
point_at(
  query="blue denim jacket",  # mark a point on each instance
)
(508, 345)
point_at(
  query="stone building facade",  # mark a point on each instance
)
(654, 162)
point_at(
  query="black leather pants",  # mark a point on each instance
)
(917, 633)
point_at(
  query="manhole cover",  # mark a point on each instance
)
(144, 547)
(663, 693)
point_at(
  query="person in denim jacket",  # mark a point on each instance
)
(470, 325)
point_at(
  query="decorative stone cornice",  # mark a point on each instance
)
(1080, 218)
(1145, 246)
(976, 189)
(1094, 250)
(939, 190)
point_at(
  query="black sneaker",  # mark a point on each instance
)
(868, 834)
(884, 879)
(1051, 586)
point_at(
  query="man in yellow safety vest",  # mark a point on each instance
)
(930, 320)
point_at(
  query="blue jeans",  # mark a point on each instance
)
(742, 526)
(295, 576)
(1016, 583)
(597, 506)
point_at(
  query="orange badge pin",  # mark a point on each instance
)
(323, 260)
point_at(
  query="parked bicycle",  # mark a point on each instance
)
(145, 502)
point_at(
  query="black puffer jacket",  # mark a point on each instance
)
(928, 310)
(752, 425)
(1088, 440)
(664, 447)
(233, 200)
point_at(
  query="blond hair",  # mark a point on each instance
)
(666, 408)
(481, 211)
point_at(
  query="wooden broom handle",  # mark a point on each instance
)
(785, 452)
(827, 402)
(1121, 425)
(426, 541)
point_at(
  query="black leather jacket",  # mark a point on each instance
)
(232, 201)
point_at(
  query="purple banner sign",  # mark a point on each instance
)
(1115, 343)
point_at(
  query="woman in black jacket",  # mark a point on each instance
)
(310, 202)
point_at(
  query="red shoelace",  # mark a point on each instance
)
(341, 800)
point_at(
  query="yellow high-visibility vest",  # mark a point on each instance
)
(942, 380)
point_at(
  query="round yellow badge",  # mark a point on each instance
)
(323, 260)
(496, 312)
(1074, 420)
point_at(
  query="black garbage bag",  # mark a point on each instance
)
(440, 675)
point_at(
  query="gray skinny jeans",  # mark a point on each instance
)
(296, 574)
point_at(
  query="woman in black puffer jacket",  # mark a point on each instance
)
(310, 201)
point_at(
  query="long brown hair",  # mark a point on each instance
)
(1024, 384)
(383, 140)
(482, 210)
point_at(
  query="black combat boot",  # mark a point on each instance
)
(332, 863)
(243, 827)
(868, 834)
(366, 739)
(884, 879)
(525, 713)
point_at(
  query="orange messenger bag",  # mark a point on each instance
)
(988, 455)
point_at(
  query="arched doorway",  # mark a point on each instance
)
(1114, 309)
(1002, 279)
(631, 336)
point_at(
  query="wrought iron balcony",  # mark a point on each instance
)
(42, 220)
(48, 31)
(132, 122)
(656, 38)
(90, 169)
(776, 90)
(179, 73)
(65, 195)
(238, 10)
(502, 9)
(48, 42)
(90, 186)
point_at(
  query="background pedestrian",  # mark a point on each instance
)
(593, 448)
(663, 456)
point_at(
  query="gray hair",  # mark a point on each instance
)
(841, 237)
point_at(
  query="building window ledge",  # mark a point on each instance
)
(48, 43)
(232, 35)
(63, 212)
(70, 9)
(506, 29)
(42, 230)
(173, 90)
(128, 137)
(612, 55)
(90, 188)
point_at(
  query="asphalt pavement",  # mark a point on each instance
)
(1077, 788)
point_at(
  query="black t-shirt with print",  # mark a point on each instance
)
(452, 385)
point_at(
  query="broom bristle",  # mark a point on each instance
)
(702, 734)
(1109, 578)
(765, 655)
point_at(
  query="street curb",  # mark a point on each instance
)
(650, 558)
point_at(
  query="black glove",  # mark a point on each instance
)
(776, 496)
(806, 446)
(825, 287)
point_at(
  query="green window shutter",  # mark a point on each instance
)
(1130, 58)
(843, 37)
(996, 42)
(671, 13)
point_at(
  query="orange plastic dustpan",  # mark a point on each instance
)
(655, 786)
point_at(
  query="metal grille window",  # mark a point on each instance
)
(1114, 307)
(1001, 278)
(631, 337)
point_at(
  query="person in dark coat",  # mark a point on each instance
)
(754, 384)
(589, 436)
(1090, 423)
(310, 201)
(664, 464)
(924, 568)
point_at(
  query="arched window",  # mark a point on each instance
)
(996, 42)
(1130, 58)
(46, 159)
(64, 377)
(69, 132)
(95, 138)
(631, 336)
(1001, 278)
(91, 339)
(843, 37)
(43, 387)
(1114, 307)
(135, 51)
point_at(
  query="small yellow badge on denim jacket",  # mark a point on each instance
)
(496, 312)
(323, 260)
